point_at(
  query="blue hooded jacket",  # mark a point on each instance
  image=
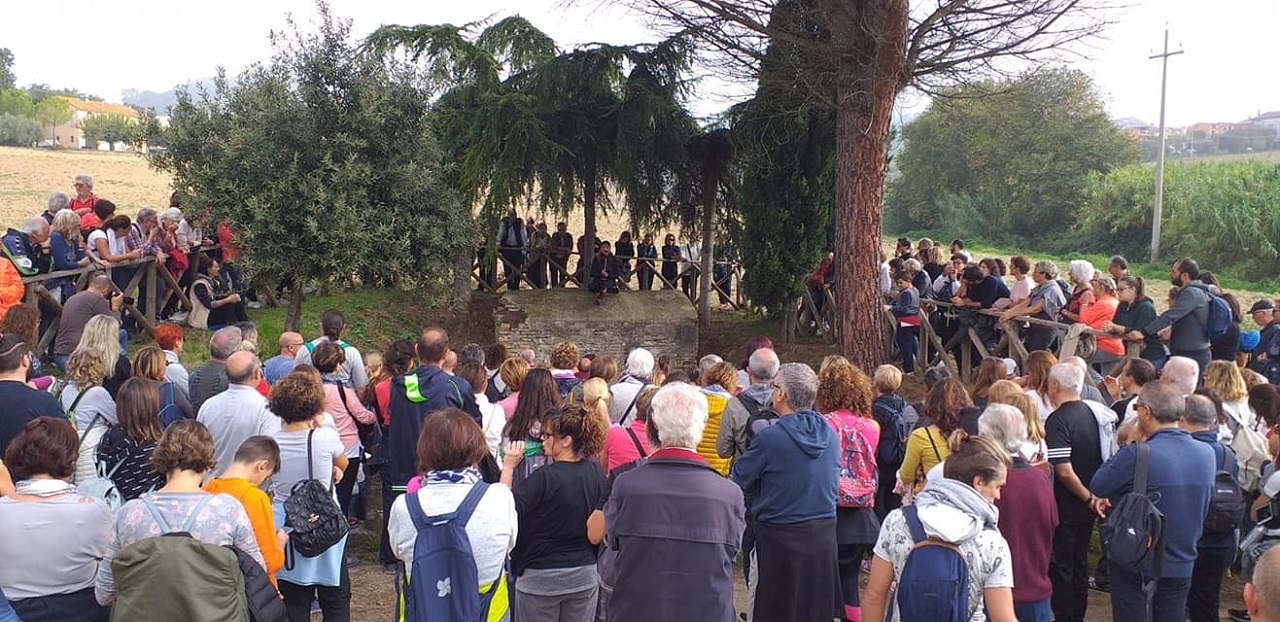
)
(791, 471)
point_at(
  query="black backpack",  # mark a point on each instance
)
(262, 598)
(1227, 505)
(891, 450)
(1134, 530)
(758, 417)
(313, 515)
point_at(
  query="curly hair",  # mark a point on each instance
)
(564, 356)
(585, 427)
(186, 445)
(95, 356)
(46, 446)
(841, 385)
(24, 321)
(297, 397)
(944, 403)
(723, 374)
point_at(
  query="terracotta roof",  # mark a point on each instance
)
(101, 107)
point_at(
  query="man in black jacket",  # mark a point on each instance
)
(604, 272)
(1185, 326)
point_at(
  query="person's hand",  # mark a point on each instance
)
(1100, 506)
(1166, 333)
(513, 455)
(1111, 383)
(117, 302)
(337, 474)
(233, 298)
(282, 538)
(1108, 326)
(1135, 335)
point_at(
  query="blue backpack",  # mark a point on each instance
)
(934, 584)
(443, 584)
(169, 411)
(1220, 318)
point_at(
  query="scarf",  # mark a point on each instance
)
(960, 496)
(43, 487)
(469, 475)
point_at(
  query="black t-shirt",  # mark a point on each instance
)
(22, 404)
(988, 291)
(1071, 433)
(553, 506)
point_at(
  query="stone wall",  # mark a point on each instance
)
(662, 321)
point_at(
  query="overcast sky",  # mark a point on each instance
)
(1227, 73)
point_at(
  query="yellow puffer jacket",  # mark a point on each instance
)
(707, 448)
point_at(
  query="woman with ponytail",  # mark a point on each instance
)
(1133, 313)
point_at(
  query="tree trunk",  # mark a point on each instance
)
(588, 221)
(461, 297)
(293, 316)
(710, 182)
(869, 78)
(789, 321)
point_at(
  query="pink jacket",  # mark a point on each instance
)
(346, 415)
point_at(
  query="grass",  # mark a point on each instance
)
(27, 175)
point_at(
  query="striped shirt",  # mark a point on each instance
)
(1071, 433)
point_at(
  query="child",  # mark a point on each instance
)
(906, 309)
(257, 459)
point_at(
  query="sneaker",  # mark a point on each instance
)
(178, 317)
(1099, 586)
(254, 304)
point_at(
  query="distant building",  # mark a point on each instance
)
(69, 136)
(1202, 131)
(1268, 119)
(1137, 128)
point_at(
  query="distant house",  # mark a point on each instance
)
(1267, 119)
(1202, 131)
(1136, 128)
(69, 136)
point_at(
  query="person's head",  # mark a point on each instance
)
(604, 367)
(397, 359)
(763, 366)
(1038, 364)
(104, 209)
(1103, 285)
(562, 227)
(15, 356)
(118, 224)
(1182, 372)
(989, 267)
(1160, 405)
(973, 274)
(450, 362)
(83, 183)
(1131, 289)
(99, 284)
(1262, 312)
(56, 202)
(795, 389)
(332, 324)
(721, 374)
(595, 396)
(1025, 405)
(753, 344)
(450, 440)
(640, 364)
(842, 386)
(912, 266)
(1005, 425)
(1044, 271)
(328, 357)
(147, 218)
(979, 462)
(944, 403)
(512, 371)
(902, 279)
(22, 320)
(475, 376)
(989, 371)
(494, 355)
(1200, 414)
(150, 363)
(297, 397)
(1118, 267)
(573, 430)
(244, 369)
(1081, 271)
(169, 336)
(584, 363)
(1264, 399)
(903, 246)
(248, 331)
(186, 445)
(706, 362)
(1020, 265)
(888, 379)
(1137, 372)
(208, 266)
(1262, 593)
(538, 394)
(679, 415)
(67, 223)
(36, 228)
(46, 446)
(669, 240)
(564, 355)
(138, 407)
(957, 245)
(170, 219)
(1184, 271)
(606, 248)
(1224, 377)
(308, 371)
(257, 458)
(225, 342)
(101, 340)
(1066, 381)
(289, 344)
(433, 344)
(471, 353)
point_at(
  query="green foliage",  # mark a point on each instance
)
(53, 111)
(1224, 214)
(18, 131)
(7, 79)
(41, 92)
(323, 163)
(16, 102)
(109, 128)
(1021, 151)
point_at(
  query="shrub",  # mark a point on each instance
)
(18, 131)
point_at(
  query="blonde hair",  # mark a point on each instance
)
(723, 374)
(595, 397)
(1225, 379)
(512, 371)
(95, 356)
(67, 223)
(887, 379)
(373, 364)
(1024, 403)
(564, 356)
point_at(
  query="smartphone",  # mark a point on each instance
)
(1265, 513)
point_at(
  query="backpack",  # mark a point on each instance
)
(102, 488)
(313, 515)
(758, 417)
(1106, 419)
(859, 477)
(169, 411)
(1227, 505)
(566, 385)
(1220, 318)
(934, 584)
(176, 577)
(443, 584)
(262, 598)
(311, 346)
(891, 450)
(1250, 449)
(492, 393)
(1133, 531)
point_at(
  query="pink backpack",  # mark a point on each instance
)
(858, 474)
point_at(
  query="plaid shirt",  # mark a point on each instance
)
(135, 241)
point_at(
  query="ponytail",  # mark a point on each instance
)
(974, 456)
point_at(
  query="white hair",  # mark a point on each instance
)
(800, 384)
(763, 364)
(706, 362)
(529, 356)
(1182, 372)
(58, 200)
(679, 412)
(1069, 377)
(640, 364)
(1005, 425)
(172, 214)
(1078, 362)
(85, 179)
(1081, 270)
(35, 224)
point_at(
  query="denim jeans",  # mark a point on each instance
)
(1129, 603)
(1035, 611)
(908, 346)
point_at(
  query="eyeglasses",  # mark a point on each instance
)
(547, 435)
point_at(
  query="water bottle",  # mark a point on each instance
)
(1255, 536)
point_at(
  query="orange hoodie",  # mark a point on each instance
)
(258, 506)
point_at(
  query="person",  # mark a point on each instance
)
(1131, 376)
(690, 266)
(54, 203)
(234, 415)
(888, 408)
(22, 403)
(639, 371)
(564, 358)
(1075, 453)
(53, 539)
(1043, 302)
(97, 299)
(492, 416)
(560, 521)
(1096, 315)
(1028, 513)
(790, 472)
(539, 247)
(958, 510)
(92, 219)
(256, 461)
(538, 395)
(1134, 312)
(844, 398)
(23, 321)
(28, 248)
(1262, 593)
(215, 305)
(512, 371)
(85, 199)
(654, 555)
(1226, 347)
(1020, 269)
(1186, 323)
(561, 248)
(150, 364)
(332, 325)
(1118, 267)
(277, 366)
(512, 240)
(1214, 551)
(647, 253)
(1180, 483)
(449, 451)
(927, 446)
(88, 403)
(347, 411)
(670, 257)
(604, 273)
(210, 378)
(125, 450)
(67, 251)
(719, 385)
(185, 455)
(1264, 315)
(906, 310)
(170, 339)
(990, 371)
(308, 450)
(1225, 379)
(735, 433)
(981, 291)
(625, 445)
(1081, 273)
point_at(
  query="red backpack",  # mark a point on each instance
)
(858, 474)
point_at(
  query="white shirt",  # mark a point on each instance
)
(232, 417)
(493, 419)
(353, 373)
(491, 529)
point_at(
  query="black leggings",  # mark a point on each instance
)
(849, 558)
(335, 602)
(348, 484)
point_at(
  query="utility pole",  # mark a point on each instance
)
(1164, 82)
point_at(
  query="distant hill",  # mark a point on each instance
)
(162, 101)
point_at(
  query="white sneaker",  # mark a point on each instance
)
(178, 317)
(254, 304)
